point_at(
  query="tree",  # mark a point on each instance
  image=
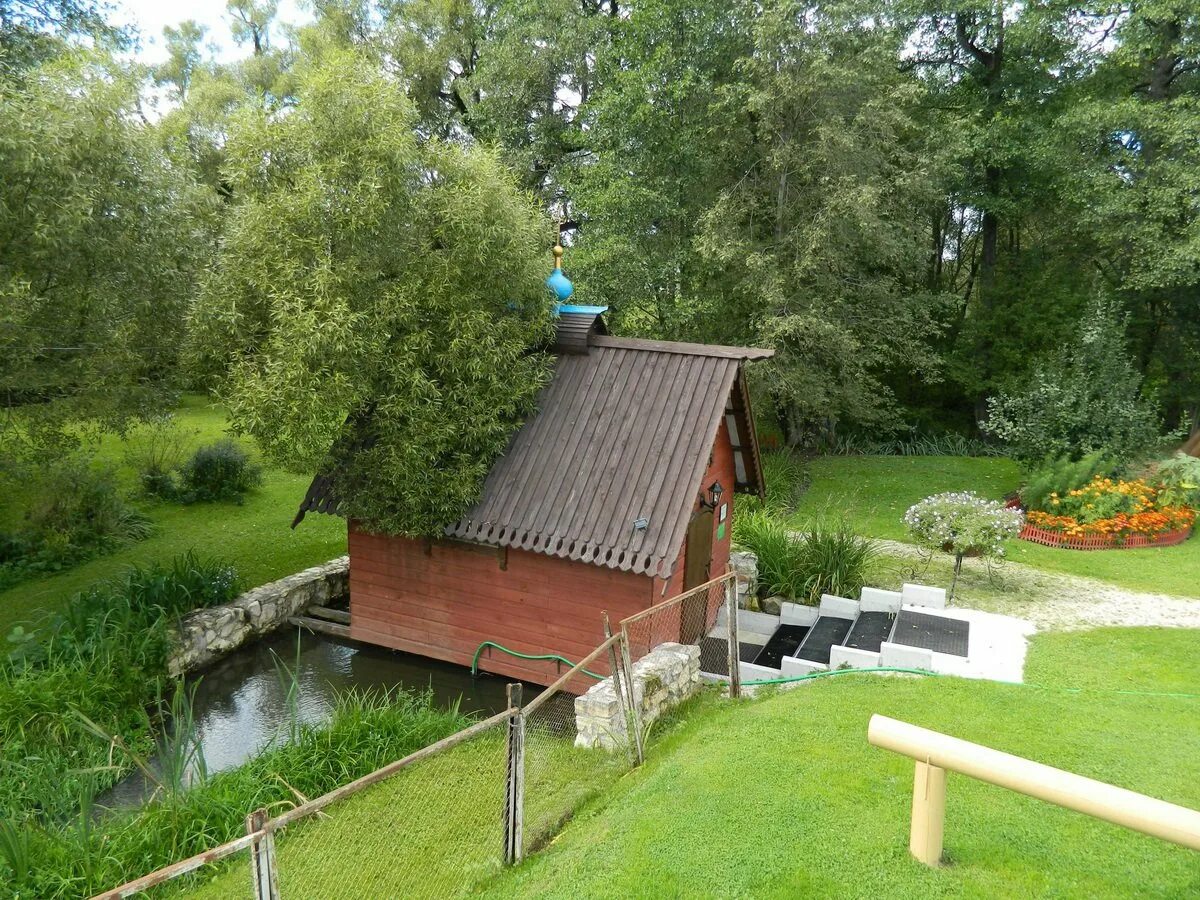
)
(100, 247)
(377, 294)
(35, 31)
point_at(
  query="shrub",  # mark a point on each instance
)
(938, 444)
(155, 451)
(786, 478)
(963, 524)
(1061, 475)
(77, 513)
(828, 558)
(1179, 481)
(1089, 398)
(220, 471)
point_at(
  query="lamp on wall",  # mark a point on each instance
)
(714, 493)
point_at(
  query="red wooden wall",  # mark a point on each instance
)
(443, 599)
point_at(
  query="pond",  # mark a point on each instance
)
(241, 702)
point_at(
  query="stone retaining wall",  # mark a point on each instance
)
(204, 636)
(662, 679)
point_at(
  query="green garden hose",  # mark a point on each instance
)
(553, 656)
(831, 672)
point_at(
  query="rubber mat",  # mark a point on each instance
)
(936, 633)
(714, 654)
(826, 631)
(870, 630)
(783, 643)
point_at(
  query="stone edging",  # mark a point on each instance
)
(205, 635)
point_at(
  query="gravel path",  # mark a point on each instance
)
(1057, 602)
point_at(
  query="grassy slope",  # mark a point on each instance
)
(254, 536)
(782, 796)
(876, 490)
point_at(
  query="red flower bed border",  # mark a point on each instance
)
(1102, 541)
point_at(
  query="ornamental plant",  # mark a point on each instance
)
(963, 524)
(1116, 508)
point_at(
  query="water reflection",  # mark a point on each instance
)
(241, 703)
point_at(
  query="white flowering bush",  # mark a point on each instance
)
(964, 524)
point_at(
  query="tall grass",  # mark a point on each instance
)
(367, 730)
(827, 558)
(944, 444)
(786, 478)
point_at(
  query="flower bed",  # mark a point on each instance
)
(1107, 514)
(1102, 541)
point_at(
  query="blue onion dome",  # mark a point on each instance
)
(558, 282)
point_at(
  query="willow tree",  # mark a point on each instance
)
(378, 302)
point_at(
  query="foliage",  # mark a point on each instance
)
(105, 656)
(378, 294)
(827, 558)
(77, 512)
(365, 731)
(785, 477)
(963, 523)
(1178, 480)
(943, 444)
(102, 239)
(1105, 507)
(1057, 476)
(154, 451)
(220, 471)
(1087, 399)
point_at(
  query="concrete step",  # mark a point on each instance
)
(870, 630)
(825, 633)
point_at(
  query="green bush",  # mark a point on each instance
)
(828, 558)
(155, 452)
(220, 471)
(1088, 398)
(1061, 475)
(785, 476)
(77, 512)
(1178, 481)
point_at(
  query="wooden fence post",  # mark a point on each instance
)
(731, 611)
(262, 858)
(615, 666)
(928, 813)
(514, 798)
(635, 714)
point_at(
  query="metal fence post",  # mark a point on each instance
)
(262, 858)
(635, 714)
(615, 665)
(731, 611)
(514, 798)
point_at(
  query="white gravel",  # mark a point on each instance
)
(1057, 602)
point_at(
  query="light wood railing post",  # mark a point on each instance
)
(928, 813)
(635, 714)
(262, 858)
(514, 797)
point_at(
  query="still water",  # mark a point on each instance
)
(241, 702)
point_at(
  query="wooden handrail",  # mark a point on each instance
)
(936, 752)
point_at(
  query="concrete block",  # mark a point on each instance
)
(905, 657)
(923, 595)
(838, 607)
(797, 614)
(790, 667)
(760, 623)
(852, 658)
(876, 600)
(751, 672)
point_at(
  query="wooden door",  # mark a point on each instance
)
(697, 561)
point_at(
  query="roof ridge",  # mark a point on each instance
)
(720, 351)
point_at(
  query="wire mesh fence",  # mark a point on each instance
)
(689, 619)
(443, 820)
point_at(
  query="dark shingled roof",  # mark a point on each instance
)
(622, 433)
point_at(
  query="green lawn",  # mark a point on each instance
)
(782, 796)
(874, 491)
(254, 536)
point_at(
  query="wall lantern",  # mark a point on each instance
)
(714, 492)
